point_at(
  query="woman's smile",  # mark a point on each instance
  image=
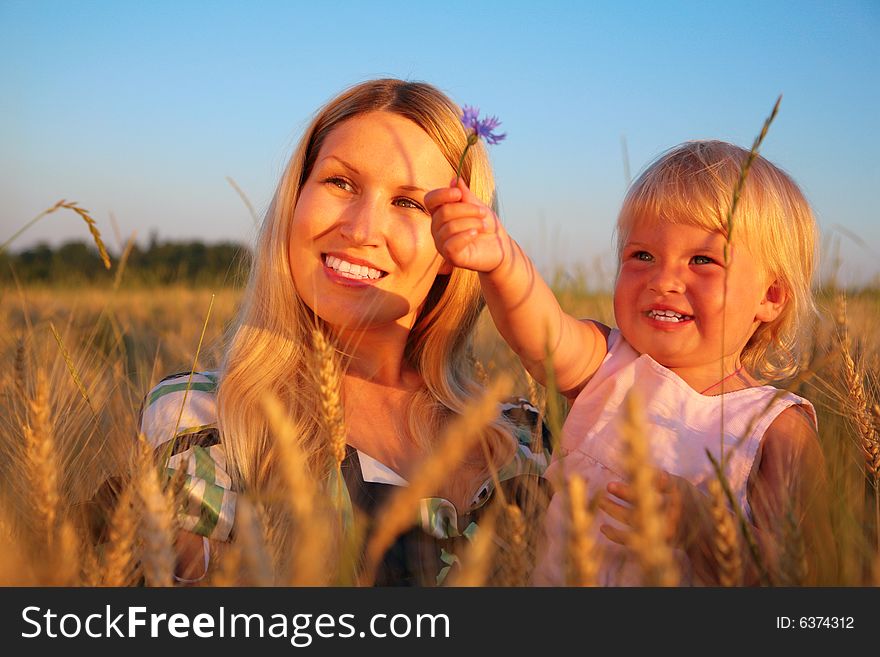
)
(348, 270)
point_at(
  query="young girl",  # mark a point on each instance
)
(682, 348)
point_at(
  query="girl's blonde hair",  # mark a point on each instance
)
(692, 184)
(270, 347)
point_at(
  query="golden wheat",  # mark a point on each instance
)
(119, 561)
(649, 531)
(329, 377)
(312, 523)
(582, 565)
(158, 523)
(725, 539)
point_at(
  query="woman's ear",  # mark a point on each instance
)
(445, 268)
(773, 302)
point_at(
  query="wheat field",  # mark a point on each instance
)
(76, 364)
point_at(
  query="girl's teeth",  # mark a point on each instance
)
(668, 316)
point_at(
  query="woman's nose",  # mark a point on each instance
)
(362, 222)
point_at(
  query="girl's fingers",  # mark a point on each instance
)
(616, 535)
(617, 511)
(437, 197)
(452, 211)
(457, 246)
(621, 490)
(466, 194)
(447, 230)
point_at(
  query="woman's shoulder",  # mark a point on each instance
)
(180, 404)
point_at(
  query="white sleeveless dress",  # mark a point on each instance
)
(682, 425)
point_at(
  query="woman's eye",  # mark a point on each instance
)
(404, 202)
(339, 182)
(702, 260)
(644, 256)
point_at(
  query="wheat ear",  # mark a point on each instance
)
(42, 463)
(312, 523)
(158, 523)
(329, 375)
(582, 565)
(649, 533)
(725, 539)
(119, 562)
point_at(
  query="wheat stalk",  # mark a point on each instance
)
(74, 373)
(744, 525)
(582, 564)
(119, 562)
(725, 540)
(329, 375)
(82, 212)
(859, 408)
(64, 561)
(245, 200)
(249, 535)
(41, 459)
(649, 532)
(517, 565)
(158, 523)
(728, 221)
(123, 262)
(170, 449)
(229, 571)
(312, 523)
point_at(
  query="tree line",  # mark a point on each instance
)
(159, 263)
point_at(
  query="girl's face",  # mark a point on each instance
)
(361, 251)
(669, 299)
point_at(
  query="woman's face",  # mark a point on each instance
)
(361, 252)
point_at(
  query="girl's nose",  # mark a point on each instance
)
(362, 222)
(666, 280)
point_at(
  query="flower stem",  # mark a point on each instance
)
(472, 139)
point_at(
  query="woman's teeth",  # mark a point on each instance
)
(668, 316)
(351, 270)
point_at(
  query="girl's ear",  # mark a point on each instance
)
(773, 302)
(445, 268)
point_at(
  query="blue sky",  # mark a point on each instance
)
(143, 109)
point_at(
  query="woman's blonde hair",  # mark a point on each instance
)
(271, 345)
(692, 184)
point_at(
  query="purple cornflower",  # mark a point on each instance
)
(477, 128)
(470, 117)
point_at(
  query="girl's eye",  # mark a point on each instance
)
(405, 202)
(339, 182)
(702, 260)
(644, 256)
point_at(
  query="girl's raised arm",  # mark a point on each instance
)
(525, 310)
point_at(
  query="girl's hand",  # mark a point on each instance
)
(466, 232)
(679, 502)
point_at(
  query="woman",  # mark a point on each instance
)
(346, 247)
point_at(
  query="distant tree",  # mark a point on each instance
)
(161, 263)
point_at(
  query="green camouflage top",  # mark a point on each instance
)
(422, 556)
